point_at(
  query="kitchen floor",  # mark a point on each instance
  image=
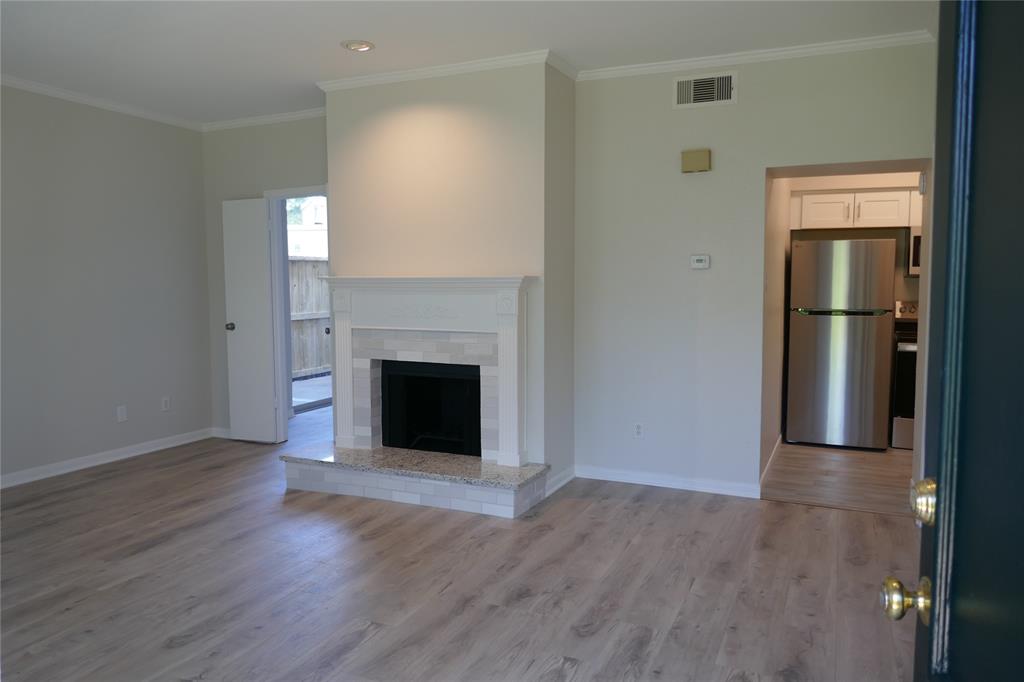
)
(841, 479)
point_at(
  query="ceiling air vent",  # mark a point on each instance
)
(703, 90)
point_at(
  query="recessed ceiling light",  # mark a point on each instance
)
(358, 45)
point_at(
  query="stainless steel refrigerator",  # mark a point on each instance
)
(840, 342)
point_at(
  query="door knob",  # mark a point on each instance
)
(230, 326)
(922, 501)
(896, 599)
(327, 330)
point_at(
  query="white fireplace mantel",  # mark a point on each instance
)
(487, 305)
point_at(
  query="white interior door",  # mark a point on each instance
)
(250, 322)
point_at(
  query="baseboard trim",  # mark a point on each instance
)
(89, 461)
(703, 485)
(557, 481)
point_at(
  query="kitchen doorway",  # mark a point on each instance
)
(838, 399)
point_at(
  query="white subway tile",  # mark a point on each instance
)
(378, 493)
(436, 501)
(466, 505)
(497, 510)
(422, 487)
(408, 498)
(481, 495)
(391, 482)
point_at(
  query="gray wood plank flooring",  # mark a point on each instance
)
(194, 563)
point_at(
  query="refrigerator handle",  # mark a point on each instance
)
(876, 312)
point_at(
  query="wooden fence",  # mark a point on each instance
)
(311, 315)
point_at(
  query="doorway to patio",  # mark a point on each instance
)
(309, 302)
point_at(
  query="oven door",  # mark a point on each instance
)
(903, 391)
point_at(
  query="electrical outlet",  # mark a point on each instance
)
(638, 431)
(165, 404)
(122, 413)
(700, 261)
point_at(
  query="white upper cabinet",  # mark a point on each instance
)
(827, 210)
(861, 209)
(882, 209)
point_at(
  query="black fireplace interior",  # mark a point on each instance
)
(431, 406)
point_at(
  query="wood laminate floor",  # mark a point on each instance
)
(842, 479)
(195, 564)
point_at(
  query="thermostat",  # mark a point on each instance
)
(700, 261)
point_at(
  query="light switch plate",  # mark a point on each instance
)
(700, 261)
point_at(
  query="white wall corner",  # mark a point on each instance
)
(556, 481)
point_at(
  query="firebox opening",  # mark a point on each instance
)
(431, 406)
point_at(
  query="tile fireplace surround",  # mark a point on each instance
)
(453, 320)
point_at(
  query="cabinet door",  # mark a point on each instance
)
(882, 209)
(827, 210)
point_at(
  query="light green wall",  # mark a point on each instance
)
(104, 281)
(680, 350)
(654, 343)
(468, 175)
(559, 228)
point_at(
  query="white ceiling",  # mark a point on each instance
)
(216, 61)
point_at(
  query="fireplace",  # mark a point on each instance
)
(476, 321)
(431, 406)
(426, 363)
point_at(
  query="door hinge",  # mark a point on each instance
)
(923, 183)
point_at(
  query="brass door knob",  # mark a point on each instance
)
(922, 501)
(897, 600)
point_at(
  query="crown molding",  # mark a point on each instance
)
(536, 57)
(559, 64)
(99, 103)
(752, 56)
(318, 112)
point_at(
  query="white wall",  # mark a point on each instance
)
(678, 350)
(559, 237)
(447, 177)
(243, 163)
(104, 281)
(776, 253)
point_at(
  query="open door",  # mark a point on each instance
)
(970, 597)
(252, 371)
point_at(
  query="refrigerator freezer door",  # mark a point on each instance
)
(852, 274)
(840, 370)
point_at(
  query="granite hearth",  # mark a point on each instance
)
(459, 482)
